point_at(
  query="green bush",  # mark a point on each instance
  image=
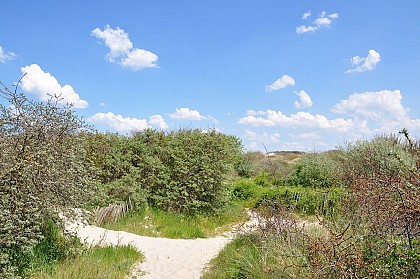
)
(43, 172)
(197, 165)
(316, 170)
(182, 171)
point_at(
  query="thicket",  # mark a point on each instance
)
(374, 232)
(43, 172)
(182, 171)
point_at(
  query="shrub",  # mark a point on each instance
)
(197, 165)
(43, 172)
(317, 170)
(182, 171)
(383, 177)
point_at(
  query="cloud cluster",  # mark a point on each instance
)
(121, 49)
(324, 20)
(128, 124)
(363, 64)
(382, 110)
(6, 55)
(280, 83)
(43, 84)
(118, 122)
(270, 118)
(362, 115)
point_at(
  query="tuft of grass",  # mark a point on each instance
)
(237, 260)
(157, 223)
(97, 262)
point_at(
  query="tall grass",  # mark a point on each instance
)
(157, 223)
(98, 262)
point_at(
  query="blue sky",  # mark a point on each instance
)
(294, 75)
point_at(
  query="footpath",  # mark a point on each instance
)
(164, 257)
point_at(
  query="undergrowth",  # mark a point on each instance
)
(157, 223)
(97, 262)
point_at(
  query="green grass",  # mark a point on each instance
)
(236, 260)
(157, 223)
(97, 262)
(262, 257)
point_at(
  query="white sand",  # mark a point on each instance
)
(164, 258)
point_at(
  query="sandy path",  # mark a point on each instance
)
(164, 257)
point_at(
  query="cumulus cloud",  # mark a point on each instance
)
(272, 118)
(187, 114)
(41, 83)
(6, 55)
(305, 100)
(374, 105)
(121, 49)
(382, 111)
(191, 114)
(280, 83)
(363, 64)
(118, 122)
(324, 20)
(158, 121)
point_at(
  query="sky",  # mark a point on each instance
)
(288, 75)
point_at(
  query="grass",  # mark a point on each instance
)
(235, 260)
(97, 262)
(262, 257)
(156, 223)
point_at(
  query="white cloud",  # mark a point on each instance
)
(304, 29)
(188, 114)
(139, 58)
(121, 49)
(382, 111)
(333, 16)
(264, 137)
(324, 20)
(280, 83)
(300, 119)
(366, 63)
(40, 83)
(158, 121)
(308, 136)
(306, 15)
(305, 100)
(116, 39)
(118, 122)
(6, 55)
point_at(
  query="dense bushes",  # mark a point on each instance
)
(317, 170)
(183, 171)
(373, 233)
(43, 172)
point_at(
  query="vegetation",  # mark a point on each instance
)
(158, 223)
(372, 233)
(190, 183)
(43, 172)
(182, 171)
(97, 262)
